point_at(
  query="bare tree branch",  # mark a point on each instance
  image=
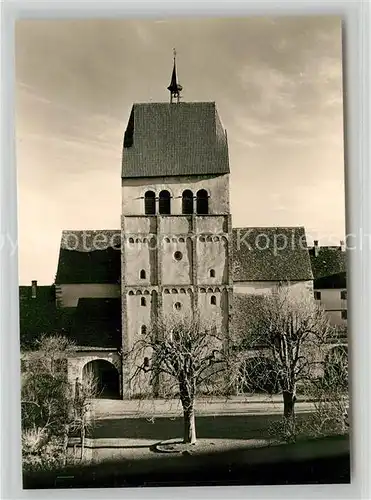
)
(294, 332)
(181, 352)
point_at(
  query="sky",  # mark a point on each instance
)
(277, 84)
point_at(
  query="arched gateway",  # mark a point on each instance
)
(106, 376)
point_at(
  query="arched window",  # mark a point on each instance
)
(142, 301)
(202, 202)
(143, 329)
(213, 300)
(212, 273)
(187, 202)
(164, 203)
(142, 274)
(150, 203)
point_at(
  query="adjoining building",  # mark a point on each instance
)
(330, 288)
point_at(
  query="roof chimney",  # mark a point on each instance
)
(316, 248)
(33, 289)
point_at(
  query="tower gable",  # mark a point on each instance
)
(164, 139)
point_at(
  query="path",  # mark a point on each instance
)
(255, 405)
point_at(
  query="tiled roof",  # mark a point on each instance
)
(97, 323)
(89, 257)
(39, 315)
(164, 139)
(45, 294)
(328, 261)
(329, 267)
(89, 240)
(270, 254)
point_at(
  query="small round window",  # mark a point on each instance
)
(178, 255)
(177, 306)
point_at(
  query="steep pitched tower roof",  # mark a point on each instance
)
(174, 139)
(165, 139)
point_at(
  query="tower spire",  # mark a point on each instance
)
(174, 88)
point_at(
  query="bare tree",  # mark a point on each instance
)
(330, 396)
(80, 418)
(44, 384)
(50, 410)
(183, 358)
(286, 333)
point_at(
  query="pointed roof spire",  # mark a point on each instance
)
(174, 88)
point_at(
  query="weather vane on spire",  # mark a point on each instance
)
(174, 88)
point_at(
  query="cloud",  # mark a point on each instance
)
(143, 33)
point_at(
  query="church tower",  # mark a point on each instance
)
(176, 224)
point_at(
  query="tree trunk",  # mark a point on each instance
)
(82, 438)
(289, 399)
(189, 425)
(65, 446)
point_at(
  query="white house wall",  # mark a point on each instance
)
(332, 302)
(265, 287)
(70, 294)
